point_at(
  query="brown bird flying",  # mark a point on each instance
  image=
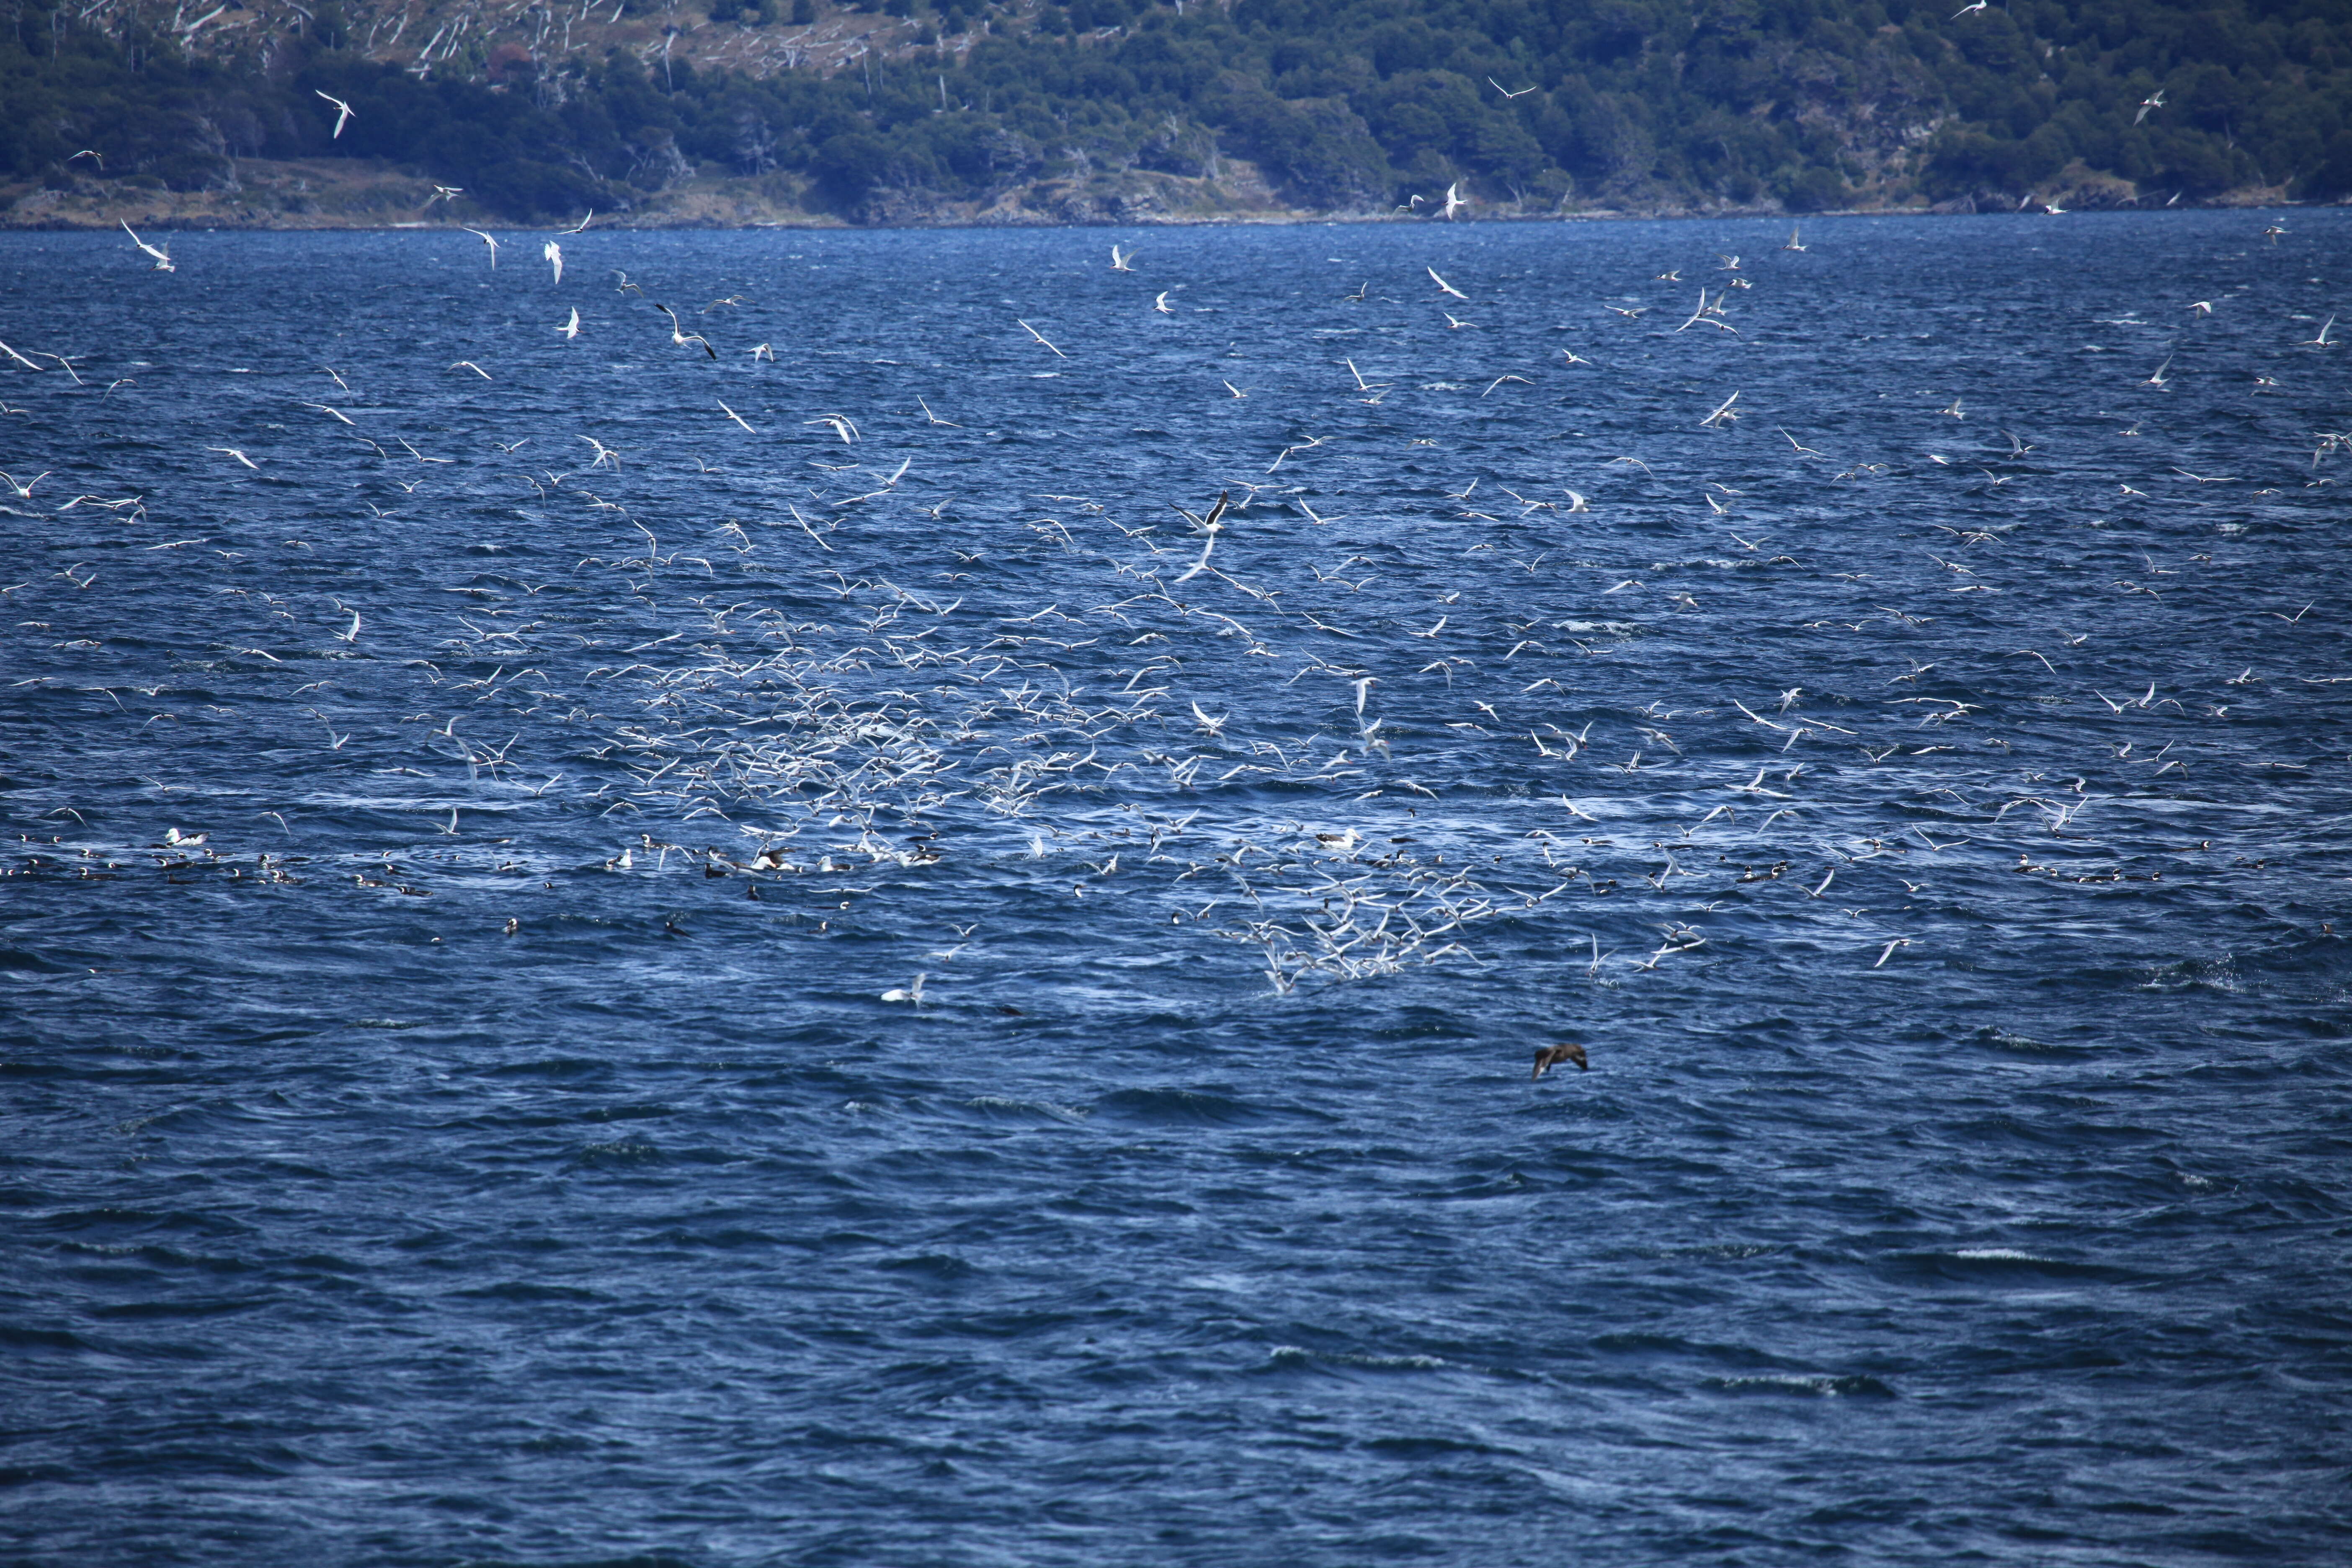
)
(1550, 1056)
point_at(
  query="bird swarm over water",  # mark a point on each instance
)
(834, 712)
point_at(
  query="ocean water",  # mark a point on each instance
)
(620, 953)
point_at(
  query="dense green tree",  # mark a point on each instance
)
(1344, 105)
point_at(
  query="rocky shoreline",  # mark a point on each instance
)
(353, 194)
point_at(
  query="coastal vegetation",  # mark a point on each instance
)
(919, 110)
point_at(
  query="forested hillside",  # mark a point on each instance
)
(921, 110)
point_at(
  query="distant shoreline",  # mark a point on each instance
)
(339, 194)
(820, 222)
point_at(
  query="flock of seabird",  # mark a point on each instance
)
(921, 717)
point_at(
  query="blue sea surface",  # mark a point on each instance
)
(736, 943)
